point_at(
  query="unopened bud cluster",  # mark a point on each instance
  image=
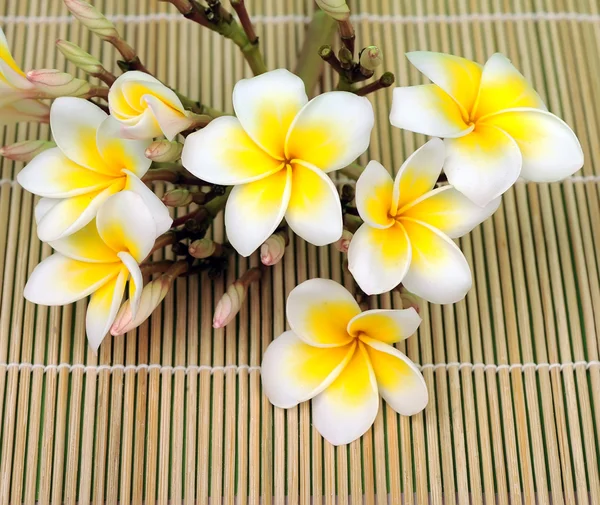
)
(337, 9)
(25, 151)
(92, 19)
(164, 151)
(79, 57)
(54, 83)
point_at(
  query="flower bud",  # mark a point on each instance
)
(273, 249)
(26, 150)
(92, 19)
(152, 295)
(343, 243)
(337, 9)
(409, 300)
(371, 58)
(79, 57)
(203, 248)
(178, 197)
(231, 302)
(54, 83)
(164, 151)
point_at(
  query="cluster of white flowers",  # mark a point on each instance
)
(278, 151)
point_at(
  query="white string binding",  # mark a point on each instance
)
(239, 368)
(299, 18)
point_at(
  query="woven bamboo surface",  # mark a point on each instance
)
(174, 412)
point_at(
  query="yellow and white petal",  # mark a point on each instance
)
(348, 407)
(119, 152)
(550, 149)
(44, 206)
(51, 174)
(85, 245)
(75, 123)
(388, 326)
(457, 76)
(171, 121)
(223, 153)
(59, 280)
(399, 381)
(438, 271)
(319, 310)
(503, 87)
(159, 211)
(141, 127)
(9, 70)
(136, 281)
(266, 105)
(379, 259)
(314, 211)
(126, 225)
(293, 371)
(427, 109)
(451, 212)
(103, 307)
(418, 174)
(484, 164)
(70, 215)
(255, 210)
(331, 131)
(374, 190)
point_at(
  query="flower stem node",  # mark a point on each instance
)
(273, 249)
(231, 302)
(92, 19)
(164, 151)
(53, 83)
(25, 151)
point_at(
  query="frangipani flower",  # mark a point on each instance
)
(342, 359)
(16, 92)
(496, 127)
(278, 152)
(98, 260)
(408, 227)
(90, 163)
(146, 108)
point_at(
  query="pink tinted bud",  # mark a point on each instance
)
(273, 249)
(152, 295)
(178, 197)
(371, 58)
(164, 151)
(203, 248)
(54, 83)
(229, 304)
(92, 19)
(343, 243)
(26, 150)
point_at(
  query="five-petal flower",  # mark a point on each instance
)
(90, 163)
(278, 152)
(146, 108)
(496, 127)
(98, 260)
(408, 227)
(16, 92)
(342, 359)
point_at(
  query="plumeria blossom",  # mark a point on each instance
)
(16, 92)
(146, 108)
(408, 227)
(278, 152)
(496, 127)
(90, 163)
(343, 360)
(98, 260)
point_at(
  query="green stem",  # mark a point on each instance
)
(319, 33)
(250, 50)
(352, 171)
(218, 203)
(197, 107)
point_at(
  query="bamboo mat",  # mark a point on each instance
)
(174, 413)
